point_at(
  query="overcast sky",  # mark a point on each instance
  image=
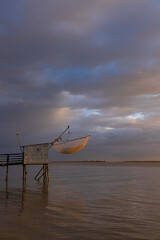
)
(90, 64)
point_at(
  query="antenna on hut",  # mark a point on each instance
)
(19, 142)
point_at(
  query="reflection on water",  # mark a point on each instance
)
(83, 202)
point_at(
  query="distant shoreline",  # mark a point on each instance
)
(110, 164)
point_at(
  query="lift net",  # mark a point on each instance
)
(71, 146)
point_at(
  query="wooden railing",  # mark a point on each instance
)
(11, 159)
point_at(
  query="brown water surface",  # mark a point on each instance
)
(81, 202)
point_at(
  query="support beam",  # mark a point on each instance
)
(48, 173)
(7, 173)
(38, 173)
(45, 173)
(7, 167)
(24, 175)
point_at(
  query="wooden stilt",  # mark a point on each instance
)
(7, 173)
(44, 172)
(7, 168)
(24, 175)
(48, 173)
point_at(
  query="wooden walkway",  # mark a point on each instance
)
(11, 159)
(7, 160)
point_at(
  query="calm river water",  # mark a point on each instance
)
(81, 202)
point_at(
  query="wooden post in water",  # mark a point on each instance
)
(7, 168)
(7, 173)
(24, 174)
(48, 173)
(45, 172)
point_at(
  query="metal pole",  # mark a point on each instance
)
(56, 140)
(19, 142)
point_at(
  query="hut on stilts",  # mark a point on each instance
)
(37, 154)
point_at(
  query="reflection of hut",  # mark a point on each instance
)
(24, 201)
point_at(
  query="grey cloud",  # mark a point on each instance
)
(89, 63)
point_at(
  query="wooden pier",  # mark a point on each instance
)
(15, 159)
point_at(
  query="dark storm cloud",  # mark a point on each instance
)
(92, 64)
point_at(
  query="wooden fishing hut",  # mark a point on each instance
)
(37, 154)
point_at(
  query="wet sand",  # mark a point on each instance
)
(111, 164)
